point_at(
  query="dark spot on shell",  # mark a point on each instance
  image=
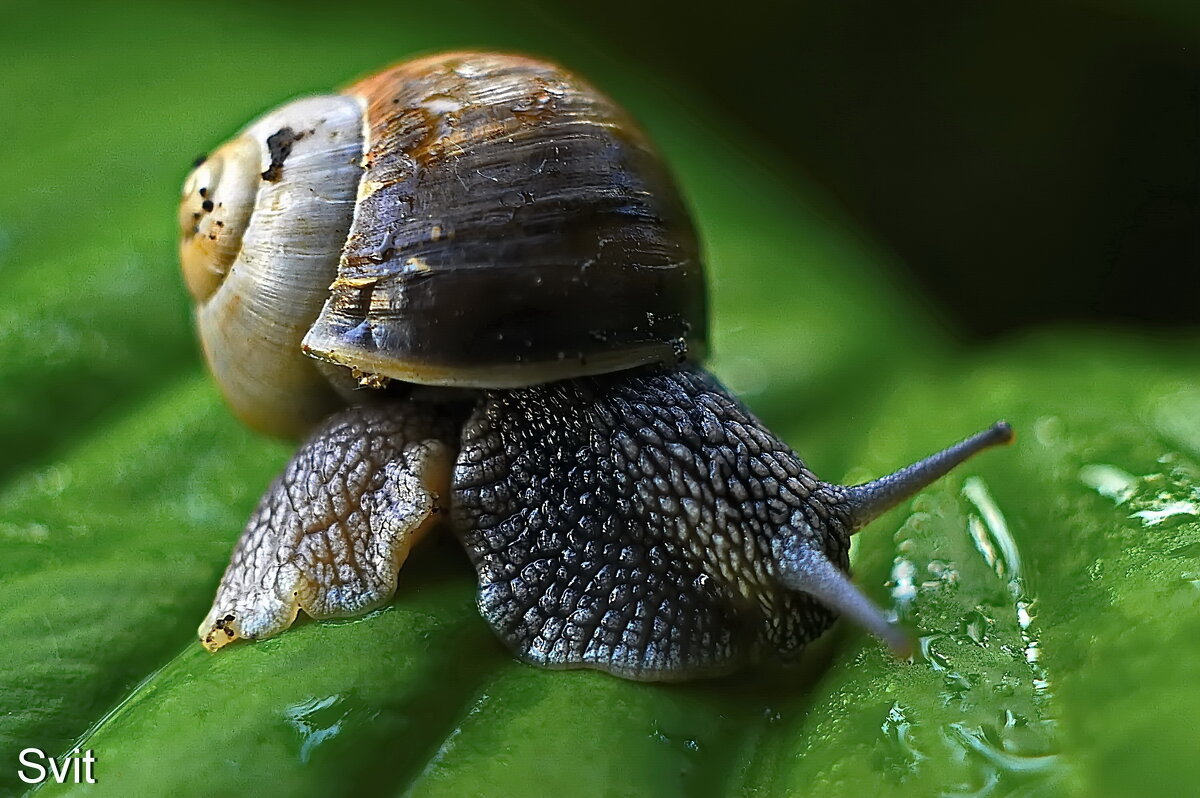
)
(207, 205)
(204, 191)
(279, 147)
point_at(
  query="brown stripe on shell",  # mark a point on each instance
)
(513, 226)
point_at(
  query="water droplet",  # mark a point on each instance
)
(990, 527)
(977, 744)
(442, 104)
(900, 754)
(1109, 481)
(1156, 515)
(317, 720)
(1005, 688)
(1024, 618)
(974, 627)
(944, 574)
(903, 589)
(936, 659)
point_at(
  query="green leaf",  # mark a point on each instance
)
(126, 482)
(1052, 585)
(1055, 586)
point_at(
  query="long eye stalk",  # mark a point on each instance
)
(872, 499)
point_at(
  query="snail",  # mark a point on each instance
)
(472, 283)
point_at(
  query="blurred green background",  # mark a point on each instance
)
(918, 218)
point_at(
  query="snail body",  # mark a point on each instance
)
(471, 281)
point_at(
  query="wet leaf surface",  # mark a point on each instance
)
(1053, 586)
(1057, 625)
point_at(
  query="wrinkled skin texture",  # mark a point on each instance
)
(642, 523)
(627, 523)
(335, 527)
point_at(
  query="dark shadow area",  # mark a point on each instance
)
(1029, 162)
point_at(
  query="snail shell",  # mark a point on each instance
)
(468, 219)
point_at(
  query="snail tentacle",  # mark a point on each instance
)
(872, 499)
(807, 569)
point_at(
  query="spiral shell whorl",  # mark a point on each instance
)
(292, 177)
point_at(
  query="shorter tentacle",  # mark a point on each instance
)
(333, 530)
(806, 568)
